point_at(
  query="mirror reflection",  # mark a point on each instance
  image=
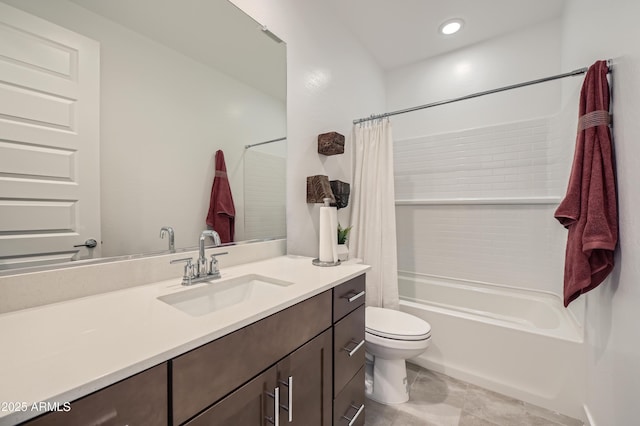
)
(178, 80)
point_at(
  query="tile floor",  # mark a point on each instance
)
(439, 400)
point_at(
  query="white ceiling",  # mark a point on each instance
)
(213, 32)
(397, 32)
(401, 32)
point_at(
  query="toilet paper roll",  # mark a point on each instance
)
(328, 235)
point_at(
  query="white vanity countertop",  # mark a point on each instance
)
(63, 351)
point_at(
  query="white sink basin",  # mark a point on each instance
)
(217, 295)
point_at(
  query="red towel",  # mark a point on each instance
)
(222, 212)
(589, 210)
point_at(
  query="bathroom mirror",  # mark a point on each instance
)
(179, 80)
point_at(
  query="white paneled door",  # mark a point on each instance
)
(49, 141)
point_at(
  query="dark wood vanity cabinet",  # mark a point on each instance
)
(302, 383)
(210, 372)
(349, 352)
(309, 356)
(320, 383)
(137, 400)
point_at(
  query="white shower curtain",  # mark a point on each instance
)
(373, 216)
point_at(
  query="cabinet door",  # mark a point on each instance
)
(251, 405)
(138, 400)
(305, 381)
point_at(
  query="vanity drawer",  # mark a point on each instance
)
(208, 373)
(138, 400)
(348, 348)
(350, 402)
(348, 296)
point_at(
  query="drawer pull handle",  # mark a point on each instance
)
(351, 352)
(353, 419)
(353, 297)
(275, 420)
(289, 409)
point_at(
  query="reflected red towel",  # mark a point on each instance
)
(222, 212)
(589, 209)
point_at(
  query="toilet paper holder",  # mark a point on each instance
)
(328, 243)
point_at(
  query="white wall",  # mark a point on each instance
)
(600, 30)
(502, 148)
(520, 56)
(331, 81)
(163, 115)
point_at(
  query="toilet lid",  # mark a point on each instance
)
(396, 325)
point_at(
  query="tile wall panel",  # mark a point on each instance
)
(521, 159)
(517, 244)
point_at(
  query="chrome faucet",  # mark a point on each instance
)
(172, 243)
(201, 267)
(202, 271)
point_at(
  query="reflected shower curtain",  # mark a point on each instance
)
(373, 215)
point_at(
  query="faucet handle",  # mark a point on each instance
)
(213, 265)
(188, 269)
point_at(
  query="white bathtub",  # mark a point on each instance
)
(518, 342)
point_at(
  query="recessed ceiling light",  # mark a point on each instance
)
(451, 26)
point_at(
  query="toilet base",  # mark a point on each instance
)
(390, 384)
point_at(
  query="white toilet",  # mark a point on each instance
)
(391, 337)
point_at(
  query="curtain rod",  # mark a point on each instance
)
(262, 143)
(477, 94)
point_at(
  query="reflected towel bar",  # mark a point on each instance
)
(265, 142)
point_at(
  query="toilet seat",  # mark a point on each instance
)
(396, 325)
(396, 344)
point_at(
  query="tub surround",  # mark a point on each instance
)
(62, 351)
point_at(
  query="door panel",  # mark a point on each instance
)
(49, 141)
